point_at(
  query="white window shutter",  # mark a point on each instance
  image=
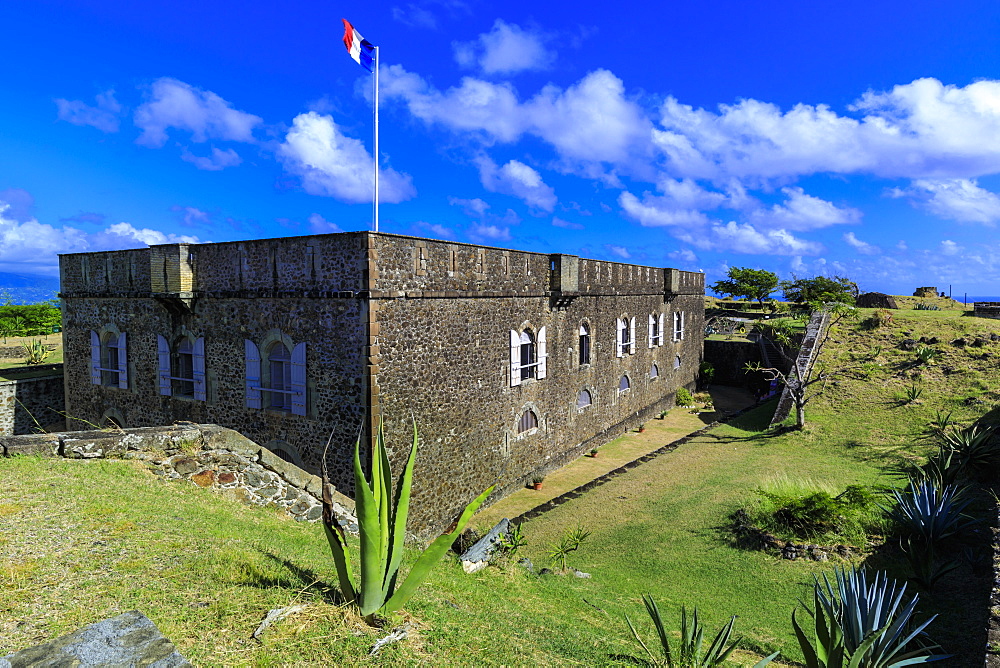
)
(620, 336)
(515, 358)
(299, 379)
(542, 354)
(95, 358)
(163, 354)
(676, 335)
(662, 330)
(253, 374)
(649, 337)
(122, 362)
(198, 364)
(631, 332)
(682, 325)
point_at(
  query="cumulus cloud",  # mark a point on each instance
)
(334, 165)
(923, 129)
(191, 216)
(489, 233)
(173, 104)
(32, 247)
(517, 179)
(505, 49)
(802, 212)
(685, 255)
(861, 246)
(592, 121)
(320, 225)
(566, 224)
(961, 200)
(19, 203)
(472, 207)
(618, 251)
(949, 247)
(682, 203)
(438, 231)
(218, 159)
(745, 238)
(105, 115)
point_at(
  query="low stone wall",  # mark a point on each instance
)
(28, 405)
(209, 456)
(18, 352)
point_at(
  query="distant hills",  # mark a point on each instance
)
(24, 289)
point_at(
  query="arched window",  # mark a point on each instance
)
(584, 344)
(284, 381)
(527, 355)
(182, 368)
(654, 371)
(655, 327)
(584, 399)
(279, 361)
(108, 358)
(626, 337)
(527, 422)
(677, 362)
(624, 384)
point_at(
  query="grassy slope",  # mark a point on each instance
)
(85, 540)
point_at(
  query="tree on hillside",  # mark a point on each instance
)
(802, 376)
(747, 283)
(821, 290)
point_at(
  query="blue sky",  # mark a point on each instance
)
(852, 138)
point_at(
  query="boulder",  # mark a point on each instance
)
(130, 639)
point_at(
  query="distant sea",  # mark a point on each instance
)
(975, 298)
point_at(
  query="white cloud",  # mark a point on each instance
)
(472, 207)
(949, 247)
(902, 245)
(618, 251)
(802, 212)
(559, 222)
(517, 179)
(439, 231)
(484, 232)
(684, 255)
(505, 49)
(923, 129)
(32, 247)
(655, 211)
(218, 160)
(961, 200)
(105, 116)
(861, 246)
(745, 238)
(333, 165)
(592, 121)
(320, 225)
(175, 104)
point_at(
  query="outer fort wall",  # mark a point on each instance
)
(443, 357)
(28, 405)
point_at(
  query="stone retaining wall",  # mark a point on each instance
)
(207, 455)
(30, 404)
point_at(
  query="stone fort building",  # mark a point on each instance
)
(511, 363)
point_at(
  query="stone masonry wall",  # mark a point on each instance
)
(395, 326)
(206, 455)
(30, 404)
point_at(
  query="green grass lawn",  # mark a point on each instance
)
(87, 540)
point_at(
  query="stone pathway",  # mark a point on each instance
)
(680, 422)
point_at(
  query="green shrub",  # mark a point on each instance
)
(807, 511)
(683, 397)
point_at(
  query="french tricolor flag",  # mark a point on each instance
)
(361, 50)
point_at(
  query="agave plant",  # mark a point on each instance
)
(927, 569)
(691, 652)
(926, 354)
(862, 624)
(929, 512)
(974, 446)
(912, 393)
(941, 470)
(382, 527)
(36, 352)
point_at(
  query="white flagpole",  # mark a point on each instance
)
(376, 139)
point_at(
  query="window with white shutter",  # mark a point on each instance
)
(252, 357)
